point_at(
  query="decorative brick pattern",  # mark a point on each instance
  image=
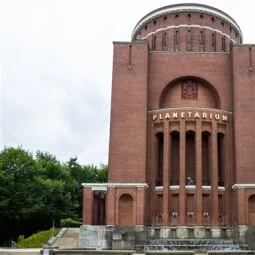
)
(189, 89)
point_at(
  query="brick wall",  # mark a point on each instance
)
(244, 112)
(127, 152)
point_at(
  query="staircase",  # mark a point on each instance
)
(69, 239)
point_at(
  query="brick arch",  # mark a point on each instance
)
(126, 210)
(189, 91)
(251, 210)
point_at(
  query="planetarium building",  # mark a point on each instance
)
(182, 141)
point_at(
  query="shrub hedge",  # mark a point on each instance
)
(70, 223)
(36, 240)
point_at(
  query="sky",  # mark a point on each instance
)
(56, 69)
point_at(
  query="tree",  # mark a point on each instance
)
(17, 200)
(37, 190)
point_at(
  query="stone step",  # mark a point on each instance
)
(72, 233)
(66, 242)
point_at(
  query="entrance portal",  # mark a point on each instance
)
(251, 210)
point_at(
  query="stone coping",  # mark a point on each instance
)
(188, 187)
(232, 252)
(189, 108)
(92, 251)
(104, 186)
(20, 251)
(170, 252)
(244, 186)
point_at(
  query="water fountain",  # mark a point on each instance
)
(198, 245)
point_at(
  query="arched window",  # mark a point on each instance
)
(125, 210)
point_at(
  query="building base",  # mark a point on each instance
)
(130, 238)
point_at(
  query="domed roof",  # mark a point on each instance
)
(193, 7)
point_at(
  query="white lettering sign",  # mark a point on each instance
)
(195, 115)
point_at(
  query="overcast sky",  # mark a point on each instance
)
(56, 68)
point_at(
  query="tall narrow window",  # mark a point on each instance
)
(213, 40)
(189, 36)
(190, 162)
(176, 37)
(201, 37)
(221, 163)
(175, 158)
(250, 58)
(130, 56)
(154, 41)
(223, 44)
(164, 39)
(159, 158)
(206, 158)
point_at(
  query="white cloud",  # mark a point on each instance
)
(56, 66)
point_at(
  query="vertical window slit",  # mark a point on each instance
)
(213, 40)
(154, 41)
(177, 37)
(201, 37)
(223, 43)
(164, 39)
(189, 36)
(130, 57)
(250, 58)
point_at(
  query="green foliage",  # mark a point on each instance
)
(70, 223)
(36, 240)
(36, 191)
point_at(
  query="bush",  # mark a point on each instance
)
(70, 223)
(36, 240)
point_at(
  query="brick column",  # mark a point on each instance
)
(140, 217)
(152, 192)
(110, 206)
(214, 175)
(199, 205)
(166, 174)
(87, 212)
(227, 177)
(241, 210)
(182, 177)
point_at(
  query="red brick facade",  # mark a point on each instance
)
(182, 124)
